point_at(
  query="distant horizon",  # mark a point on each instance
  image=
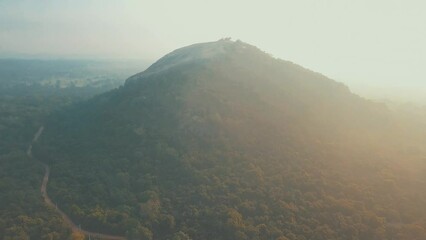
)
(375, 91)
(25, 56)
(380, 93)
(380, 54)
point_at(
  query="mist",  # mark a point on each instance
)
(376, 48)
(188, 119)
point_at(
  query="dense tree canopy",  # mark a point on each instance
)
(26, 100)
(221, 141)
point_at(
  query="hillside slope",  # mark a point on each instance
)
(221, 141)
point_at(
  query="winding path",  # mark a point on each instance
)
(50, 203)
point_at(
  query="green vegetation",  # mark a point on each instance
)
(24, 105)
(221, 141)
(23, 214)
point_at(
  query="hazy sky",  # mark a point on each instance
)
(377, 47)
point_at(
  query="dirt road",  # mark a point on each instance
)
(50, 203)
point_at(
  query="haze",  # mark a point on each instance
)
(376, 47)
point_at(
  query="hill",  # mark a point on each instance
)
(221, 141)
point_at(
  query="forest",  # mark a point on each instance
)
(235, 144)
(25, 103)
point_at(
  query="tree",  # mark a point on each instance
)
(181, 236)
(77, 235)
